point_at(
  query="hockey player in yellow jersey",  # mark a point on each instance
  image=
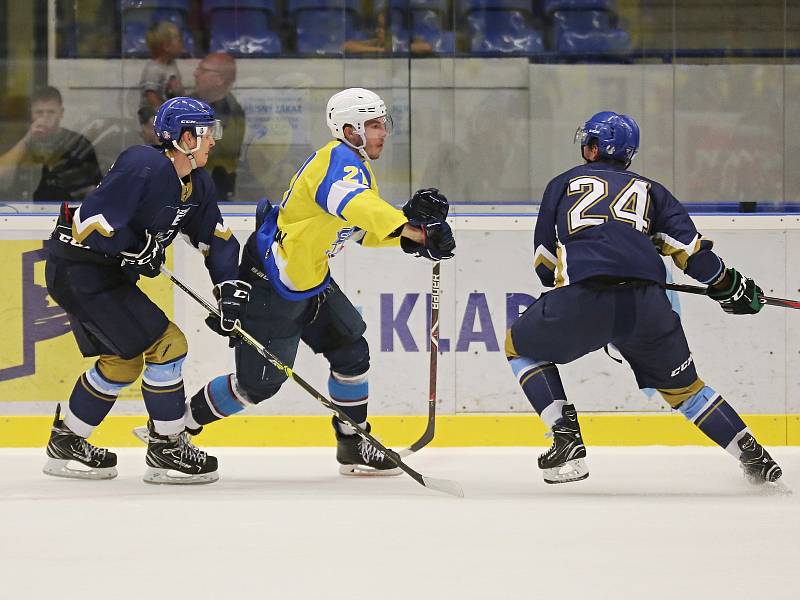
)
(331, 199)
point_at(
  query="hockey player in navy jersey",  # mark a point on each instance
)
(97, 253)
(599, 238)
(331, 199)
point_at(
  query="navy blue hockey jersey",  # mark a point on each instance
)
(599, 219)
(142, 192)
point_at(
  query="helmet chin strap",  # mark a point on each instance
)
(189, 153)
(360, 149)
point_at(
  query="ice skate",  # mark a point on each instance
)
(70, 455)
(173, 459)
(564, 461)
(357, 456)
(758, 466)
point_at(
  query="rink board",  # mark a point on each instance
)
(451, 431)
(752, 361)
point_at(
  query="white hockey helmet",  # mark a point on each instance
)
(354, 106)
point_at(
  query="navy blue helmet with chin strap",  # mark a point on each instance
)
(617, 135)
(178, 114)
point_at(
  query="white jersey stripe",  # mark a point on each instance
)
(339, 190)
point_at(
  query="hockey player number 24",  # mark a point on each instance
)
(629, 206)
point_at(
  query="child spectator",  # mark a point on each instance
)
(50, 162)
(161, 79)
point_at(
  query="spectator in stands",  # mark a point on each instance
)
(147, 132)
(213, 80)
(161, 79)
(382, 43)
(49, 163)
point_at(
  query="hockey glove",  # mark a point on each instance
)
(742, 297)
(232, 297)
(148, 260)
(426, 206)
(438, 242)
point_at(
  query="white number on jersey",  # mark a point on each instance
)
(630, 205)
(592, 190)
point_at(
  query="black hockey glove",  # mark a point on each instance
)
(742, 297)
(232, 297)
(438, 242)
(148, 260)
(426, 206)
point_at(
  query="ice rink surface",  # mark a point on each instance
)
(649, 523)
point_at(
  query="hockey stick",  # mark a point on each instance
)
(440, 485)
(697, 289)
(427, 435)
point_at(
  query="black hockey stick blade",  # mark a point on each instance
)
(440, 485)
(703, 291)
(430, 429)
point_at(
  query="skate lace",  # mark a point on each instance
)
(190, 451)
(369, 452)
(548, 436)
(91, 452)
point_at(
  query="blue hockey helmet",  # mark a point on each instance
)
(181, 113)
(617, 135)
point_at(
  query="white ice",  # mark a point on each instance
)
(649, 523)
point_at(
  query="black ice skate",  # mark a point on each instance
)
(173, 459)
(563, 462)
(757, 464)
(357, 456)
(70, 455)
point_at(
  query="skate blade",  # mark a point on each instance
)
(572, 470)
(781, 488)
(774, 488)
(172, 477)
(141, 434)
(59, 467)
(364, 471)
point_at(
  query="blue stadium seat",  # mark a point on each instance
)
(582, 20)
(322, 26)
(139, 15)
(612, 41)
(588, 32)
(551, 6)
(501, 27)
(243, 27)
(425, 20)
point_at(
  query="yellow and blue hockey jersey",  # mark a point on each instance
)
(333, 197)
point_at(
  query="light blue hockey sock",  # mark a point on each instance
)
(541, 383)
(716, 418)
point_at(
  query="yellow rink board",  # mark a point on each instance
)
(451, 431)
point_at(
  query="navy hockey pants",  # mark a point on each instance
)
(108, 313)
(328, 323)
(569, 322)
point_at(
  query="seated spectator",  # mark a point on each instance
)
(382, 43)
(49, 163)
(161, 79)
(145, 115)
(213, 80)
